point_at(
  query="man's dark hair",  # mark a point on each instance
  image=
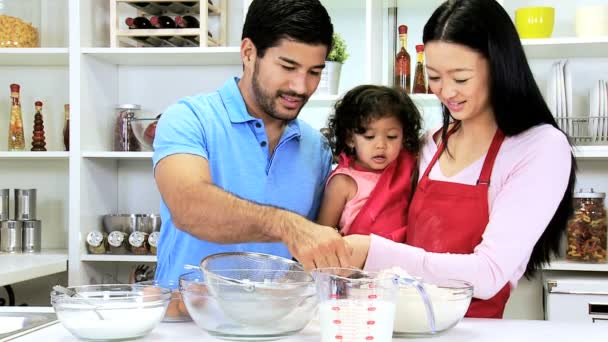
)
(269, 21)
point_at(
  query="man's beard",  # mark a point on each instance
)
(267, 103)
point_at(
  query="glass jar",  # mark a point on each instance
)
(118, 242)
(20, 23)
(138, 243)
(153, 242)
(97, 242)
(587, 228)
(124, 137)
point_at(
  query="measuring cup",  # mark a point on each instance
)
(355, 305)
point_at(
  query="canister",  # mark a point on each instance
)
(32, 236)
(4, 193)
(11, 236)
(587, 228)
(25, 204)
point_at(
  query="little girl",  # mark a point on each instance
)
(377, 137)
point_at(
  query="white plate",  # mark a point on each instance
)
(594, 107)
(552, 91)
(568, 86)
(560, 95)
(600, 111)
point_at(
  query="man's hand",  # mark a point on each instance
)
(316, 246)
(360, 248)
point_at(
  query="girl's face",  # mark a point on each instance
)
(460, 77)
(380, 144)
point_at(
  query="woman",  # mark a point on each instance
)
(496, 181)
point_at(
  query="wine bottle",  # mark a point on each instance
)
(138, 23)
(187, 21)
(162, 21)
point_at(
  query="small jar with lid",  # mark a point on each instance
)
(587, 228)
(153, 242)
(138, 243)
(97, 242)
(124, 137)
(118, 242)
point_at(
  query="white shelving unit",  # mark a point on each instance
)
(19, 267)
(77, 187)
(565, 265)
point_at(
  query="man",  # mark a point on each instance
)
(236, 170)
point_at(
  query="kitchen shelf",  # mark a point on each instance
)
(20, 267)
(118, 258)
(323, 100)
(34, 57)
(598, 152)
(182, 56)
(34, 155)
(329, 100)
(118, 155)
(565, 265)
(568, 47)
(425, 99)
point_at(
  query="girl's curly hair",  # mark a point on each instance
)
(366, 103)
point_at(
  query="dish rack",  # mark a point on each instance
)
(204, 36)
(586, 130)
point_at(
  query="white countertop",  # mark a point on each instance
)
(469, 330)
(17, 267)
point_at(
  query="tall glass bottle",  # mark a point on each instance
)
(16, 141)
(66, 127)
(38, 139)
(420, 73)
(403, 62)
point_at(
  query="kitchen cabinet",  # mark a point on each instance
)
(75, 188)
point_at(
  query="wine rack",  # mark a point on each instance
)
(205, 10)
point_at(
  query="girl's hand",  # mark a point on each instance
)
(359, 244)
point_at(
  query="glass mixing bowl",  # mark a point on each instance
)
(111, 312)
(271, 311)
(450, 300)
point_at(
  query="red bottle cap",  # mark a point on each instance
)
(129, 21)
(402, 29)
(419, 48)
(38, 103)
(15, 88)
(154, 21)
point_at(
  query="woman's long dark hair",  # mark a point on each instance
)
(518, 105)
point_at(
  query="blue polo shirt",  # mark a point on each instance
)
(217, 127)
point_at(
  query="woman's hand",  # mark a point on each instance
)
(359, 244)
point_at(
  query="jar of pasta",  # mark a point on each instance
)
(587, 228)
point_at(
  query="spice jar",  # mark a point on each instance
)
(587, 228)
(118, 242)
(138, 243)
(97, 242)
(124, 137)
(153, 242)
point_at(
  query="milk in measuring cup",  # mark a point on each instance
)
(356, 320)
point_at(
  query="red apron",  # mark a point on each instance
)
(384, 212)
(447, 217)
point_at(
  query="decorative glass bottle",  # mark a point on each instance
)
(38, 139)
(16, 141)
(419, 74)
(403, 63)
(66, 127)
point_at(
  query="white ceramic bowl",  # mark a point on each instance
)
(591, 21)
(450, 300)
(111, 312)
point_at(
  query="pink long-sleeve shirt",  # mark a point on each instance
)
(529, 178)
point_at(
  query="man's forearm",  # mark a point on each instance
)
(212, 214)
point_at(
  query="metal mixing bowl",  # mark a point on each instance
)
(234, 314)
(126, 223)
(111, 312)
